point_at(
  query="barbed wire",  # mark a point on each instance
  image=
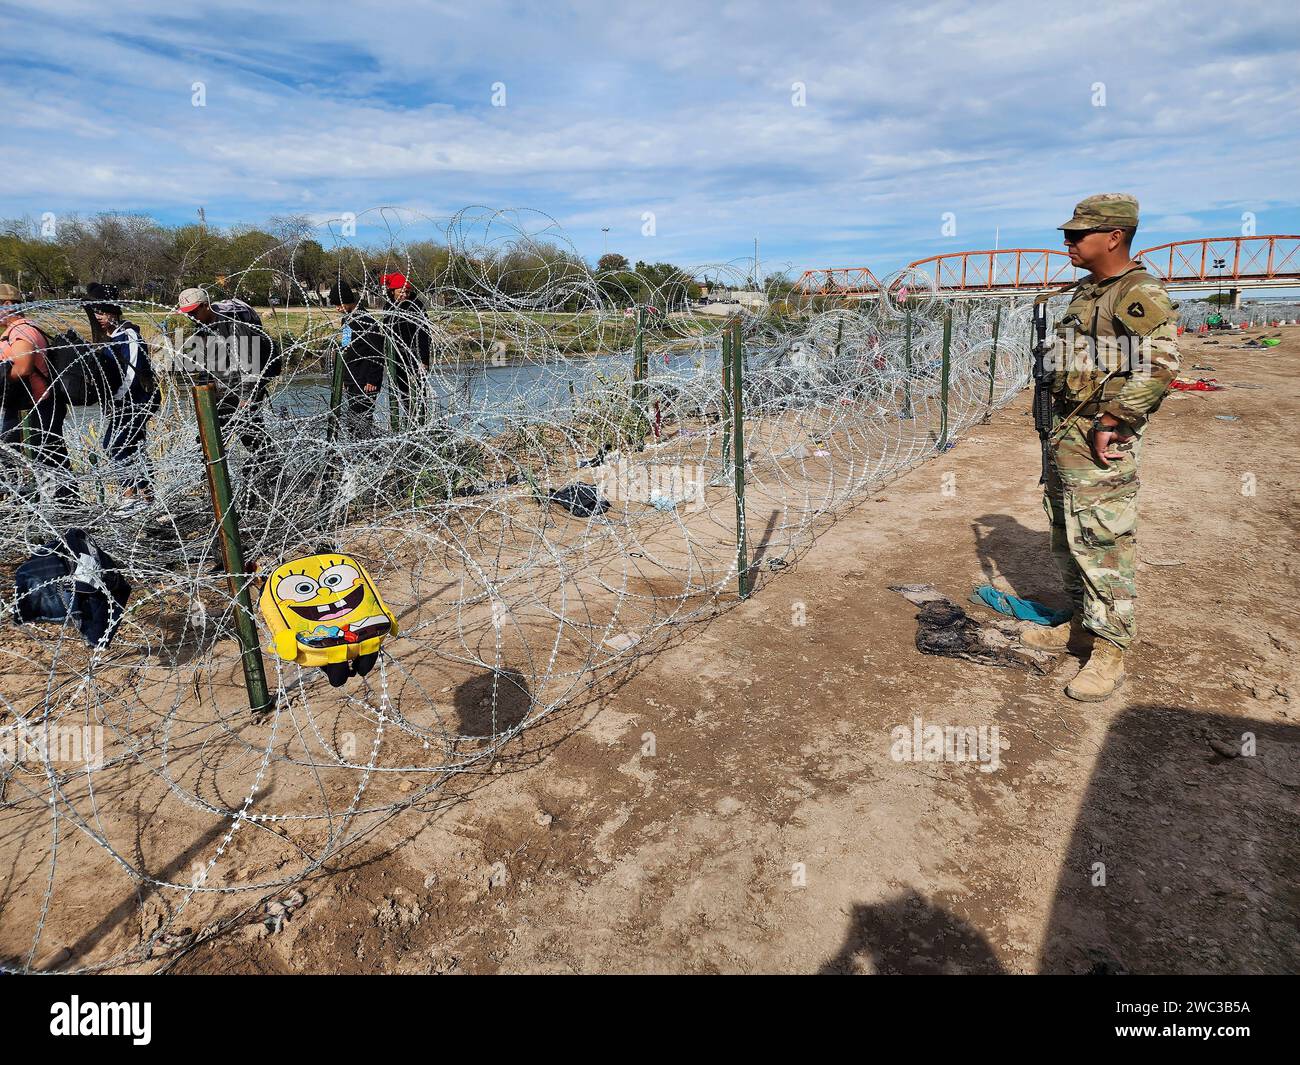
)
(513, 598)
(1193, 314)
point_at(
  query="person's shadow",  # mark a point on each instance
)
(1182, 859)
(1021, 556)
(910, 936)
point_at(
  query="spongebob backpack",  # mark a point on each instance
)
(324, 610)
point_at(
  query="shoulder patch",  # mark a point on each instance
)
(1145, 307)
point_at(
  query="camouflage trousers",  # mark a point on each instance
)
(1093, 514)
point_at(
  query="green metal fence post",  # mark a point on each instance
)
(943, 382)
(726, 396)
(394, 406)
(907, 359)
(638, 373)
(638, 353)
(336, 395)
(214, 449)
(738, 457)
(993, 357)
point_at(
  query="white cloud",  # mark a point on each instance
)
(913, 110)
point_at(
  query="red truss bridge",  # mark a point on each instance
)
(1233, 263)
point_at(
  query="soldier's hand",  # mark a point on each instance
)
(1105, 445)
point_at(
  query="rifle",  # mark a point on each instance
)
(1042, 394)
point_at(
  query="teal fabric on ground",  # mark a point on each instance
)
(1021, 609)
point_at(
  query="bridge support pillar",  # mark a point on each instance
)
(1234, 294)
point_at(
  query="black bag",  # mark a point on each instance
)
(144, 372)
(580, 499)
(71, 579)
(111, 373)
(75, 368)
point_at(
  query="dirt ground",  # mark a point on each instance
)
(735, 804)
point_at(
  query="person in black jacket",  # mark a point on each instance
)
(129, 392)
(362, 344)
(407, 328)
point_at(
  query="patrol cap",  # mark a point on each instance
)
(1105, 210)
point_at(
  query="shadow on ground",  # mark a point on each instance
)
(1021, 555)
(909, 936)
(1183, 859)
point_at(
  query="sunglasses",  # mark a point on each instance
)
(1073, 236)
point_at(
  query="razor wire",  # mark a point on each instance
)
(1253, 314)
(512, 605)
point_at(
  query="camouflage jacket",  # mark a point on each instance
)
(1116, 349)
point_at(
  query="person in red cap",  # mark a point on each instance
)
(406, 327)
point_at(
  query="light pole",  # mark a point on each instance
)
(1219, 264)
(605, 230)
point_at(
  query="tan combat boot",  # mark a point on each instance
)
(1103, 674)
(1069, 635)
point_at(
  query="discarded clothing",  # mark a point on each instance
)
(72, 579)
(664, 503)
(1202, 385)
(1022, 609)
(580, 499)
(944, 628)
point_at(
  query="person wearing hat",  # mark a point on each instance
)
(27, 388)
(407, 329)
(362, 344)
(129, 397)
(1113, 358)
(241, 363)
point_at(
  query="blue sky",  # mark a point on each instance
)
(611, 110)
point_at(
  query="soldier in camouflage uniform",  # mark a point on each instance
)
(1114, 357)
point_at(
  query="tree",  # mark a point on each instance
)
(247, 264)
(667, 284)
(31, 262)
(285, 258)
(779, 286)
